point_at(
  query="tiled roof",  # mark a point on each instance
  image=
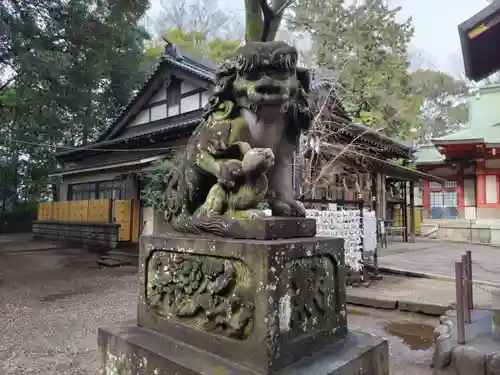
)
(427, 154)
(175, 56)
(104, 144)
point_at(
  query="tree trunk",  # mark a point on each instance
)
(255, 20)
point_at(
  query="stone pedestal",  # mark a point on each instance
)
(495, 311)
(224, 306)
(480, 355)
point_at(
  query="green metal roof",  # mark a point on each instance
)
(484, 118)
(461, 135)
(427, 154)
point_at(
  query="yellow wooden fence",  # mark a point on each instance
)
(123, 212)
(398, 217)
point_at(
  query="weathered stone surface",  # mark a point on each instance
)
(375, 302)
(444, 346)
(129, 349)
(278, 227)
(467, 360)
(263, 304)
(423, 308)
(478, 356)
(96, 235)
(493, 364)
(495, 309)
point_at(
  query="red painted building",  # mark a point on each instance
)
(469, 160)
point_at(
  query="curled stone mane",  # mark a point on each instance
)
(260, 56)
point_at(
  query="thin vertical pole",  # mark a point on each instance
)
(376, 209)
(460, 307)
(412, 211)
(465, 289)
(404, 211)
(468, 253)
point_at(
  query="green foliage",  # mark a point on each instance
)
(443, 105)
(76, 64)
(154, 191)
(197, 44)
(366, 47)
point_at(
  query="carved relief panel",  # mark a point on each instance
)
(202, 292)
(308, 290)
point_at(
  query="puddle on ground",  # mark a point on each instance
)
(415, 336)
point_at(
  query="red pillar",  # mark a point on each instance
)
(426, 195)
(426, 202)
(460, 192)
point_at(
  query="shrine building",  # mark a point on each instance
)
(469, 160)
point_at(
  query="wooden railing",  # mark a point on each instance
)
(123, 212)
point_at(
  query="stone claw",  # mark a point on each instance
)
(289, 209)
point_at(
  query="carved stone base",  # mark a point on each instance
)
(262, 304)
(278, 227)
(129, 349)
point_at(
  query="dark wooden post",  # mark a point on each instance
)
(465, 290)
(468, 253)
(403, 212)
(459, 301)
(111, 212)
(375, 207)
(412, 211)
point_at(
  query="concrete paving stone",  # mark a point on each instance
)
(428, 296)
(423, 308)
(436, 257)
(374, 302)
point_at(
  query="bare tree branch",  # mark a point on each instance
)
(203, 16)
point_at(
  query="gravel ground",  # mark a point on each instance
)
(50, 305)
(51, 302)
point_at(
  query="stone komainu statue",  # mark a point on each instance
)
(259, 103)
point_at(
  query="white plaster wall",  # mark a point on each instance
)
(173, 110)
(158, 112)
(491, 189)
(190, 103)
(147, 221)
(187, 86)
(492, 164)
(469, 192)
(204, 98)
(159, 96)
(141, 118)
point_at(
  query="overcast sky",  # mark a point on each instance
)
(435, 21)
